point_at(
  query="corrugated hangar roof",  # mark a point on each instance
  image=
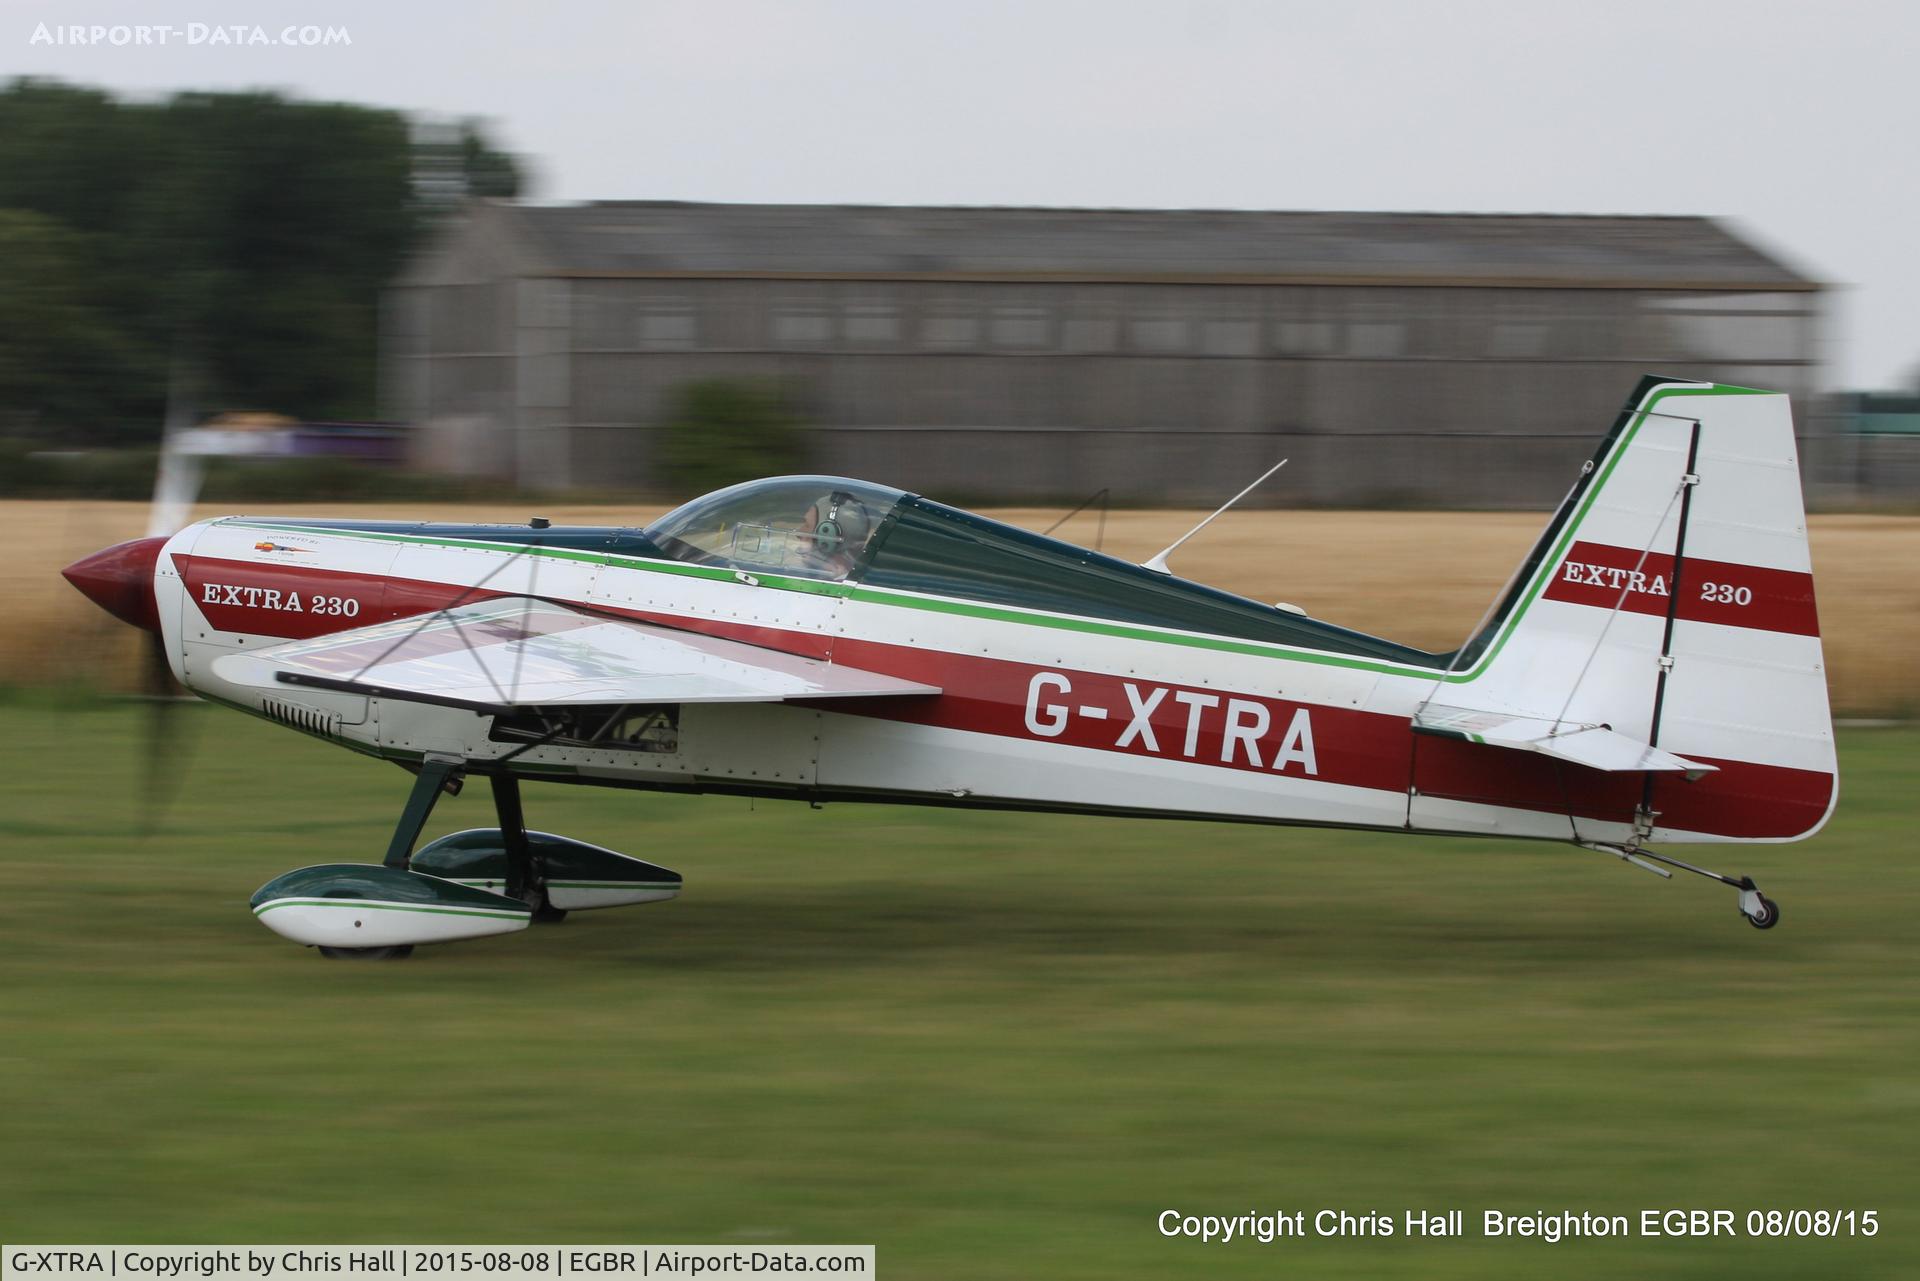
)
(646, 238)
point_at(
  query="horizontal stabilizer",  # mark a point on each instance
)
(520, 652)
(1594, 746)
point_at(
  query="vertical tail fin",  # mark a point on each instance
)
(1671, 600)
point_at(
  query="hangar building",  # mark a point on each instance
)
(1042, 354)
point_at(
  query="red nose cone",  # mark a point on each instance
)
(120, 581)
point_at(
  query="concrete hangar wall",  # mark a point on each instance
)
(1448, 360)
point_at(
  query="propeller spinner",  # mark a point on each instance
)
(120, 580)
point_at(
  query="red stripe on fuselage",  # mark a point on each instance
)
(1711, 591)
(1740, 799)
(985, 695)
(298, 602)
(1077, 708)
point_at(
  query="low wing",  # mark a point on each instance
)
(1594, 746)
(519, 652)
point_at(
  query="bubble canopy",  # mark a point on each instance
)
(804, 526)
(832, 528)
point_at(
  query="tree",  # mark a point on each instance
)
(724, 431)
(61, 354)
(247, 234)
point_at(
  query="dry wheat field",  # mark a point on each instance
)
(1420, 577)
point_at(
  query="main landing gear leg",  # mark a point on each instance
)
(513, 832)
(1761, 912)
(437, 775)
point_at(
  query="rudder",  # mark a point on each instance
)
(1671, 599)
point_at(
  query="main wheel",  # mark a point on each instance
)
(1768, 917)
(399, 951)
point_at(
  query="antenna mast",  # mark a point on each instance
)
(1159, 563)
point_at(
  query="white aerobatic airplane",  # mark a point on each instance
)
(1651, 675)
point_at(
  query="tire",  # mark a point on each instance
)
(1769, 915)
(544, 912)
(398, 952)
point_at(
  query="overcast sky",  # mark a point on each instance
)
(1795, 120)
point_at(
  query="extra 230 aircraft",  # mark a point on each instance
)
(1651, 675)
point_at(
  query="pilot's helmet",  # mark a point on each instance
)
(844, 525)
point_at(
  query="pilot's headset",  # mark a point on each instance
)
(843, 525)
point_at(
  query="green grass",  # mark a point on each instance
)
(995, 1045)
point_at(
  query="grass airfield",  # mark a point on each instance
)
(995, 1045)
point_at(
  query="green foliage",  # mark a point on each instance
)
(62, 351)
(723, 431)
(244, 236)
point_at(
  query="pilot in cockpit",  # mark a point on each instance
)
(834, 534)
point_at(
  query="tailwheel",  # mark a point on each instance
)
(1762, 913)
(398, 952)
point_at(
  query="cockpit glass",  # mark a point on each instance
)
(806, 526)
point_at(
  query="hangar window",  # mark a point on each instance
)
(1020, 327)
(666, 326)
(1304, 337)
(1090, 333)
(872, 323)
(951, 331)
(1513, 338)
(801, 327)
(1231, 337)
(1159, 333)
(1376, 339)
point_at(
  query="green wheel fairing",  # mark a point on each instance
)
(479, 855)
(367, 905)
(375, 886)
(363, 906)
